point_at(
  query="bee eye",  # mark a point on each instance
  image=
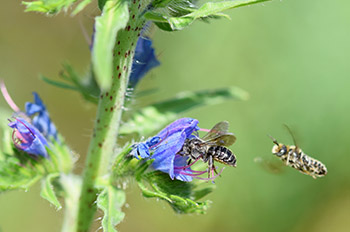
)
(282, 151)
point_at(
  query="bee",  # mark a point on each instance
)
(293, 156)
(211, 147)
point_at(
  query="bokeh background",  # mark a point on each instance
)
(292, 56)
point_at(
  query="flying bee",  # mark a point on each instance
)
(211, 147)
(293, 156)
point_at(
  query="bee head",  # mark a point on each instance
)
(278, 149)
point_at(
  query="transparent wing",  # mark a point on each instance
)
(219, 135)
(219, 129)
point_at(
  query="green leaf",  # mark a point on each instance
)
(86, 85)
(110, 201)
(62, 158)
(16, 173)
(156, 116)
(47, 190)
(115, 16)
(207, 10)
(55, 6)
(182, 196)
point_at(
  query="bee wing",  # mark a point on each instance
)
(219, 135)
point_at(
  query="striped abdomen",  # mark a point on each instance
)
(222, 155)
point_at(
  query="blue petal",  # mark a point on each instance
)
(36, 107)
(165, 153)
(173, 138)
(141, 150)
(188, 125)
(42, 120)
(144, 60)
(153, 141)
(181, 161)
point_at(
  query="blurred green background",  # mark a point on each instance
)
(292, 56)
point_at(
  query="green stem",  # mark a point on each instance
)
(110, 108)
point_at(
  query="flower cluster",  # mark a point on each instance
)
(31, 135)
(165, 146)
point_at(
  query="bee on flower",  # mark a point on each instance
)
(168, 147)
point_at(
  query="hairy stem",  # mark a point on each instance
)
(110, 107)
(71, 184)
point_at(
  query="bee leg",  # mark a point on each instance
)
(189, 161)
(287, 161)
(214, 168)
(211, 166)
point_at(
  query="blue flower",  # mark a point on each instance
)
(27, 138)
(42, 119)
(165, 153)
(144, 60)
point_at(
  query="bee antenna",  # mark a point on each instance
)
(274, 140)
(291, 133)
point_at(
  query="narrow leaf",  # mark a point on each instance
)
(81, 6)
(101, 3)
(48, 192)
(85, 85)
(207, 10)
(110, 201)
(115, 16)
(156, 116)
(48, 6)
(57, 83)
(55, 6)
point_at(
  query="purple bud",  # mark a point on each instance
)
(144, 60)
(27, 138)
